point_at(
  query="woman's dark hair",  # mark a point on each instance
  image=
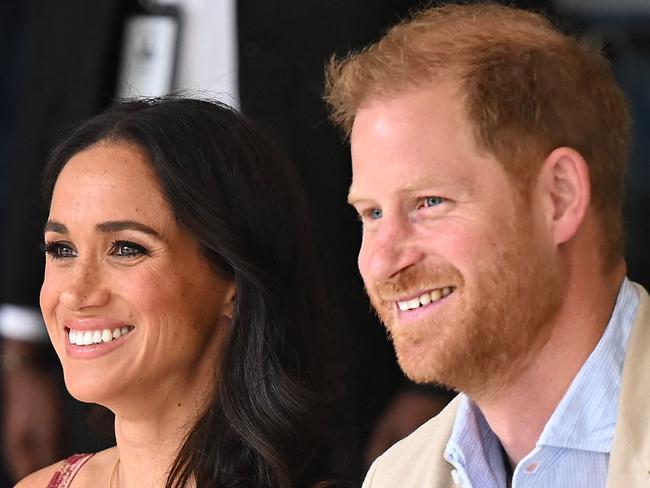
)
(231, 189)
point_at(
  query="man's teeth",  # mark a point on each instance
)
(88, 337)
(425, 299)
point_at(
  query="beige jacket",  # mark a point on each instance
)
(418, 462)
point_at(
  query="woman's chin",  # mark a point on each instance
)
(89, 389)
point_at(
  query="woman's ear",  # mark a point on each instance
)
(229, 300)
(566, 192)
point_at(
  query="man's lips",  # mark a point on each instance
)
(424, 298)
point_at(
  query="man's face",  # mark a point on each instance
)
(458, 265)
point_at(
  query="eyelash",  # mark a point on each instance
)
(135, 249)
(57, 249)
(375, 213)
(438, 201)
(370, 214)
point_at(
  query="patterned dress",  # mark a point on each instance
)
(64, 476)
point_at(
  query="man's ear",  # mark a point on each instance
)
(566, 192)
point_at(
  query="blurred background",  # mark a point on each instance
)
(65, 61)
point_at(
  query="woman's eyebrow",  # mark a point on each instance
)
(119, 225)
(54, 226)
(106, 227)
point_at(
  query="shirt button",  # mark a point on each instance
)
(531, 468)
(455, 477)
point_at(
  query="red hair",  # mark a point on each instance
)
(527, 89)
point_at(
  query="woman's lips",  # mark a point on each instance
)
(93, 337)
(82, 337)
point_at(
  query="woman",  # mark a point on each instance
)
(180, 292)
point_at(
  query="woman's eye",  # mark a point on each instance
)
(60, 250)
(127, 249)
(433, 201)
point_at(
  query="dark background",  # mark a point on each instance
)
(59, 65)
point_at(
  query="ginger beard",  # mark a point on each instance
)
(489, 329)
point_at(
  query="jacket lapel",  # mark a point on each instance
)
(629, 465)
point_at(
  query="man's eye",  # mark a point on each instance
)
(433, 201)
(60, 250)
(370, 214)
(127, 249)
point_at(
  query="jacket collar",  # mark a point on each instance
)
(629, 465)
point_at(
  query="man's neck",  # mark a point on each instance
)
(518, 413)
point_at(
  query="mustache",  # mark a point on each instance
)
(415, 279)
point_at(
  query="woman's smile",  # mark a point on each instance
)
(92, 337)
(129, 300)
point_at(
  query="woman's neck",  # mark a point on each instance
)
(149, 434)
(147, 447)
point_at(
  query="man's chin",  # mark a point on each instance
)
(418, 363)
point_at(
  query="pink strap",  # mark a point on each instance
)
(64, 476)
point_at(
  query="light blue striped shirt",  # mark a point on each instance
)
(573, 449)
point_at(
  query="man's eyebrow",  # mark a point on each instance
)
(353, 196)
(119, 225)
(424, 184)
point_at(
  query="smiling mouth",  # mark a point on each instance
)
(99, 336)
(425, 298)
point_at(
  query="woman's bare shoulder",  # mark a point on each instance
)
(40, 478)
(92, 465)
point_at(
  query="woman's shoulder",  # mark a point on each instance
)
(62, 472)
(41, 478)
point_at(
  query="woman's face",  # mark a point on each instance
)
(132, 307)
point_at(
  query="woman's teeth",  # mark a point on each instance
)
(88, 337)
(425, 299)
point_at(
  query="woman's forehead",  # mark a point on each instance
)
(109, 181)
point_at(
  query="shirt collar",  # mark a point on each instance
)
(473, 447)
(585, 417)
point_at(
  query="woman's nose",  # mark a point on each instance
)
(84, 287)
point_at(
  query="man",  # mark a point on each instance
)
(488, 156)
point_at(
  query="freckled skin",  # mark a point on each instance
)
(176, 303)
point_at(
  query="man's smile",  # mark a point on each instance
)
(425, 298)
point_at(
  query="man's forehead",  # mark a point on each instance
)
(438, 156)
(426, 178)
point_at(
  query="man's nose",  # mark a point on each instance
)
(84, 287)
(390, 250)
